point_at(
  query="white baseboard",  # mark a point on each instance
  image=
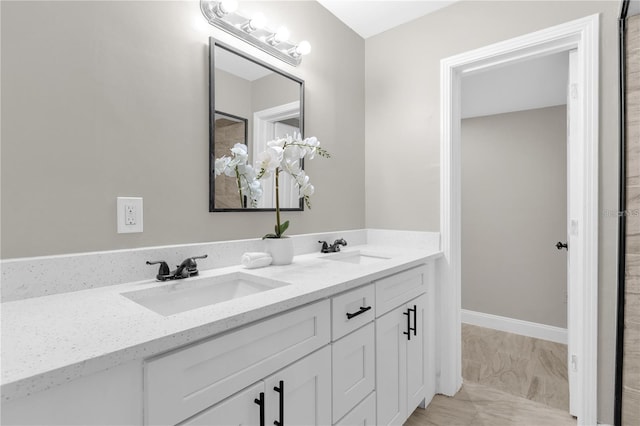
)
(516, 326)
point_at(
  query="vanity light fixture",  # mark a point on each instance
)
(257, 22)
(278, 37)
(224, 15)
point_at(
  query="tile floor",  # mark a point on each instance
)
(522, 366)
(508, 380)
(481, 405)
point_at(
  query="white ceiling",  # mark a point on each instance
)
(371, 17)
(531, 84)
(239, 66)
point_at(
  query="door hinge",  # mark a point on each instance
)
(574, 363)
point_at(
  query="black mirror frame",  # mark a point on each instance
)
(213, 43)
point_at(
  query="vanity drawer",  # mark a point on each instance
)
(354, 302)
(354, 369)
(397, 289)
(185, 382)
(363, 415)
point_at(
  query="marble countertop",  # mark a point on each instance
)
(50, 340)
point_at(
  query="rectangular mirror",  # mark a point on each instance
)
(250, 102)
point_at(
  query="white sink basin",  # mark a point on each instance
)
(356, 256)
(192, 293)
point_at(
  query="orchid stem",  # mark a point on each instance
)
(239, 190)
(278, 202)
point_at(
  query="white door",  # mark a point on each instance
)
(574, 221)
(240, 409)
(306, 399)
(391, 365)
(416, 354)
(289, 196)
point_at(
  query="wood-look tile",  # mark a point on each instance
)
(471, 370)
(631, 353)
(522, 366)
(632, 308)
(444, 410)
(633, 164)
(480, 405)
(551, 360)
(551, 391)
(632, 273)
(633, 234)
(630, 406)
(507, 373)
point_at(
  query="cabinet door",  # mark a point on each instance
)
(391, 365)
(353, 361)
(416, 353)
(306, 399)
(240, 409)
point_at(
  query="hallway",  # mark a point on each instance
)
(509, 379)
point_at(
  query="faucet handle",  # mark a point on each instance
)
(164, 272)
(325, 247)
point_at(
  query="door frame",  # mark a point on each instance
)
(582, 35)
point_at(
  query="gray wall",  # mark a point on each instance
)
(107, 99)
(233, 95)
(402, 117)
(514, 209)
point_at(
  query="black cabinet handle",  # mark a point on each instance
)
(415, 320)
(409, 328)
(362, 310)
(280, 390)
(408, 332)
(260, 402)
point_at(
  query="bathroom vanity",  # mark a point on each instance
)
(342, 339)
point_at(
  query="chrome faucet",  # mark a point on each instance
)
(326, 248)
(188, 268)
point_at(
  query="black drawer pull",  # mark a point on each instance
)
(260, 402)
(280, 390)
(409, 328)
(362, 310)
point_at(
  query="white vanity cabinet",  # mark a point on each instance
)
(361, 357)
(300, 394)
(404, 374)
(187, 381)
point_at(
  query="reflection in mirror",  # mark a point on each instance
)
(229, 130)
(251, 103)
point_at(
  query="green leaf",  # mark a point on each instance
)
(284, 227)
(270, 236)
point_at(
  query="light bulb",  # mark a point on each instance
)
(278, 37)
(303, 48)
(281, 35)
(223, 7)
(257, 22)
(229, 6)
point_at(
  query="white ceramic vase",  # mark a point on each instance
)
(281, 250)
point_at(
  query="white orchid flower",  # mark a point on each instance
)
(240, 151)
(220, 165)
(269, 160)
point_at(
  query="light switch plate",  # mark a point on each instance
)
(129, 214)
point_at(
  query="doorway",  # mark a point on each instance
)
(582, 36)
